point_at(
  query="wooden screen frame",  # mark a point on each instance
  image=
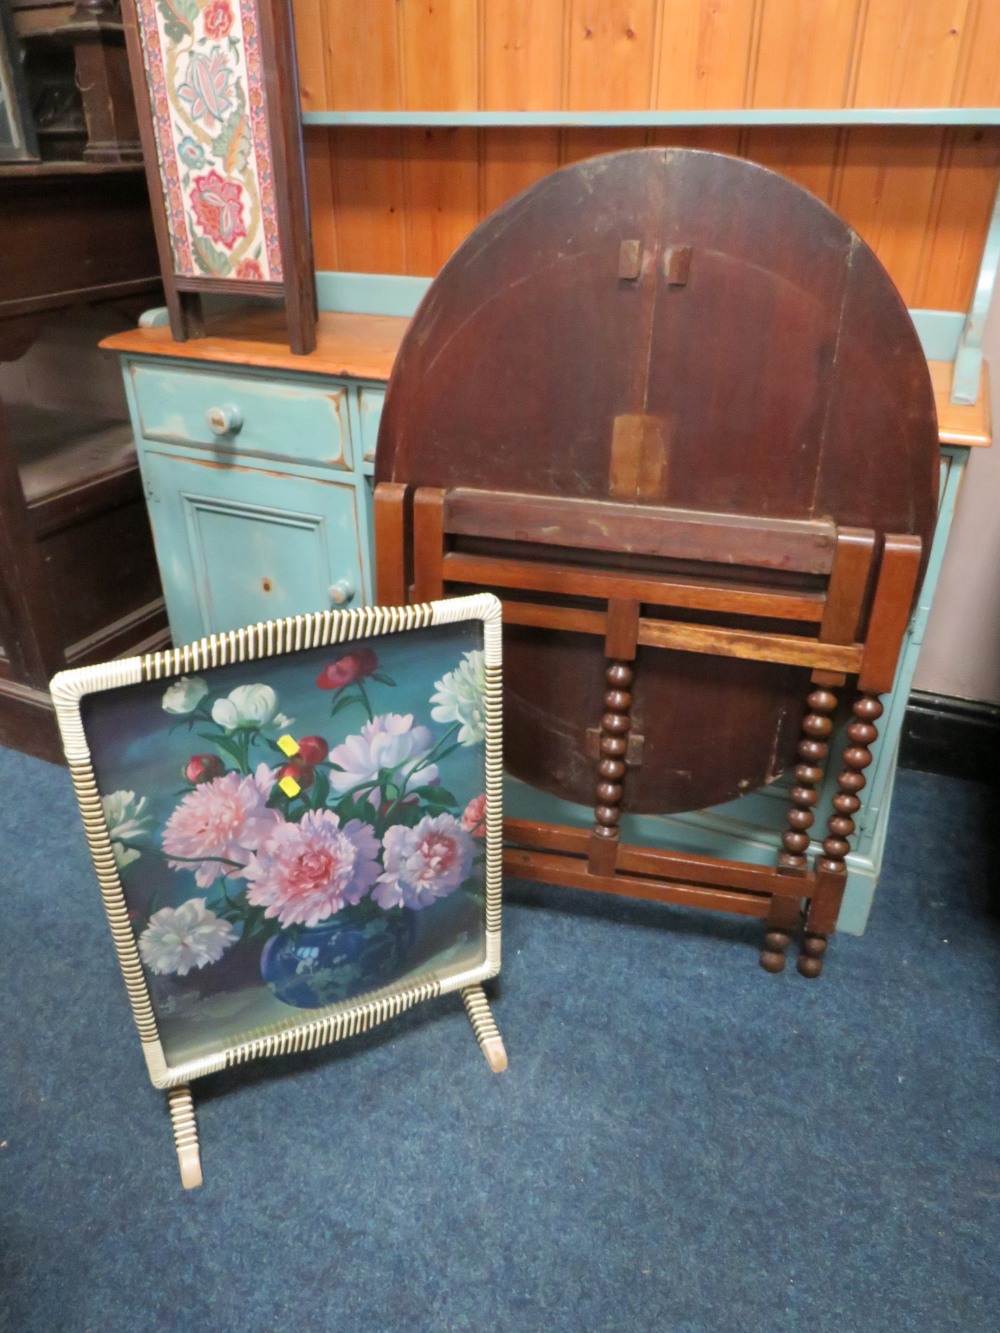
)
(297, 290)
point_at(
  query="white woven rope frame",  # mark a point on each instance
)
(256, 642)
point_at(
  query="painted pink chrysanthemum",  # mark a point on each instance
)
(303, 873)
(474, 816)
(219, 823)
(424, 863)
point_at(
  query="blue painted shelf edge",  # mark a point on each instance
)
(940, 331)
(835, 116)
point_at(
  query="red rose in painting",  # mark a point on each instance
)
(203, 768)
(249, 269)
(474, 817)
(218, 18)
(298, 771)
(218, 208)
(347, 669)
(313, 750)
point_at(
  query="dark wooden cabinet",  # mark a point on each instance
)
(78, 577)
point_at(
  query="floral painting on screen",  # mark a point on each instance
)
(294, 833)
(203, 65)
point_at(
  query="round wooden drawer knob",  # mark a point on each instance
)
(341, 592)
(224, 420)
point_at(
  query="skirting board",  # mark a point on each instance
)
(957, 738)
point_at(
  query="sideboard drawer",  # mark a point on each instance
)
(275, 418)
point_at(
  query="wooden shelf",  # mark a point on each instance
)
(61, 450)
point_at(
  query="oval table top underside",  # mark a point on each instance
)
(783, 377)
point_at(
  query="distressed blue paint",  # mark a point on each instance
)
(371, 399)
(157, 318)
(939, 332)
(173, 402)
(370, 293)
(240, 551)
(397, 294)
(270, 547)
(988, 115)
(969, 358)
(283, 500)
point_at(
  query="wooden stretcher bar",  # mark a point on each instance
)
(806, 546)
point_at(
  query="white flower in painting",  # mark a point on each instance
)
(184, 695)
(250, 706)
(180, 938)
(389, 743)
(128, 819)
(461, 697)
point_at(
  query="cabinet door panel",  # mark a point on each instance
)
(238, 546)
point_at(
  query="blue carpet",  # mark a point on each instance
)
(681, 1142)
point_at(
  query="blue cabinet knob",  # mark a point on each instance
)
(225, 420)
(341, 592)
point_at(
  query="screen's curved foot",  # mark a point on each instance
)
(185, 1135)
(487, 1034)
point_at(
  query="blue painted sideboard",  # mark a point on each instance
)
(258, 476)
(257, 470)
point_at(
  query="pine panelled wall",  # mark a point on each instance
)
(399, 200)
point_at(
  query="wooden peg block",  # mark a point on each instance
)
(677, 265)
(602, 855)
(630, 260)
(639, 451)
(622, 631)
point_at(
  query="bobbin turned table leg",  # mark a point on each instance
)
(185, 1135)
(783, 922)
(831, 867)
(616, 723)
(613, 743)
(785, 916)
(485, 1029)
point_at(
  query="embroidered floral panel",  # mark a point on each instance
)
(204, 68)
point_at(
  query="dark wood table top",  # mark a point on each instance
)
(676, 328)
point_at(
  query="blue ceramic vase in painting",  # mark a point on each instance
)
(314, 966)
